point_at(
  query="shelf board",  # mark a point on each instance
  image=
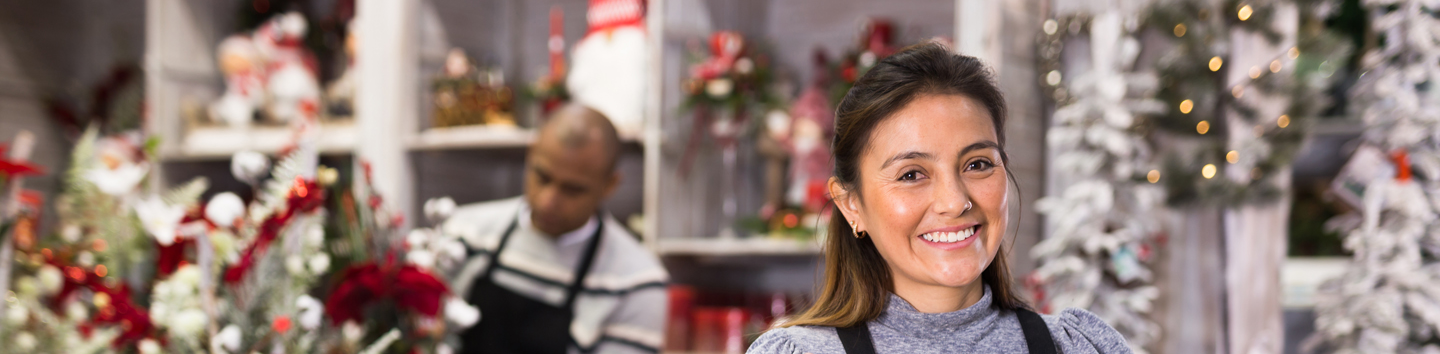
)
(1300, 278)
(748, 246)
(482, 137)
(471, 137)
(218, 143)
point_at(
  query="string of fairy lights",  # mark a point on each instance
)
(1193, 82)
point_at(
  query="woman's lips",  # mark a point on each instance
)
(951, 238)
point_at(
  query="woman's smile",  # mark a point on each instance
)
(951, 238)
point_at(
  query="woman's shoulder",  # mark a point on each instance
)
(797, 340)
(1079, 331)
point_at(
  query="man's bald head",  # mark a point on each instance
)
(571, 169)
(575, 126)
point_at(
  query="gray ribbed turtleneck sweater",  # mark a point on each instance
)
(980, 328)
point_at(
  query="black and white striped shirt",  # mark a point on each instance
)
(622, 305)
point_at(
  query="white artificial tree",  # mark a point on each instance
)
(1100, 223)
(1388, 301)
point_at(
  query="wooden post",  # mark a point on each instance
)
(386, 106)
(654, 110)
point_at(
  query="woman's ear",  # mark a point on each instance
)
(846, 202)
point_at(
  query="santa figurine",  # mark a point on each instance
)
(244, 82)
(292, 70)
(610, 62)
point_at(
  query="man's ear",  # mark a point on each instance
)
(614, 184)
(847, 202)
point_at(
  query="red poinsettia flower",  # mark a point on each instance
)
(10, 167)
(362, 285)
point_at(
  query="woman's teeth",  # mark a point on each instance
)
(947, 237)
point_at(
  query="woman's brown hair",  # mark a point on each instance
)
(857, 280)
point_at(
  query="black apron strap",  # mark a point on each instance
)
(494, 261)
(1037, 334)
(856, 339)
(585, 263)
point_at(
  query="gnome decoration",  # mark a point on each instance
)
(809, 141)
(609, 63)
(292, 69)
(244, 82)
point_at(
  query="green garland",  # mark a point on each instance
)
(1194, 89)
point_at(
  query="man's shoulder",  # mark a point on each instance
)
(628, 263)
(498, 209)
(477, 222)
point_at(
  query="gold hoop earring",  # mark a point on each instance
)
(858, 233)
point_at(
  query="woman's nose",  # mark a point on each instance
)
(951, 198)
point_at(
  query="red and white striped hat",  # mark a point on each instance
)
(610, 14)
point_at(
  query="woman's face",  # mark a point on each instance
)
(932, 192)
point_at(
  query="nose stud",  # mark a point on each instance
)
(968, 205)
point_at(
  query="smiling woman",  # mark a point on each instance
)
(914, 262)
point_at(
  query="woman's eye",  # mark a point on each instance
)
(910, 176)
(979, 165)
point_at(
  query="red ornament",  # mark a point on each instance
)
(1402, 164)
(849, 74)
(281, 324)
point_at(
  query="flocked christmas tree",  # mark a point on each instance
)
(1100, 231)
(1388, 301)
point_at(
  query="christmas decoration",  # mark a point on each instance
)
(1109, 117)
(16, 167)
(244, 82)
(796, 145)
(610, 64)
(549, 91)
(1206, 104)
(132, 271)
(729, 85)
(465, 95)
(291, 72)
(1103, 221)
(270, 75)
(1388, 301)
(875, 41)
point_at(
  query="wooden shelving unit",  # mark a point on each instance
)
(471, 137)
(218, 143)
(728, 247)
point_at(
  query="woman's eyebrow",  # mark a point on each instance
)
(980, 145)
(907, 155)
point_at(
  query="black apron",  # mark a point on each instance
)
(856, 339)
(515, 323)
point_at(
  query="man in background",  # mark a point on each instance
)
(550, 271)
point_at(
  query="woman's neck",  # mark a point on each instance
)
(937, 298)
